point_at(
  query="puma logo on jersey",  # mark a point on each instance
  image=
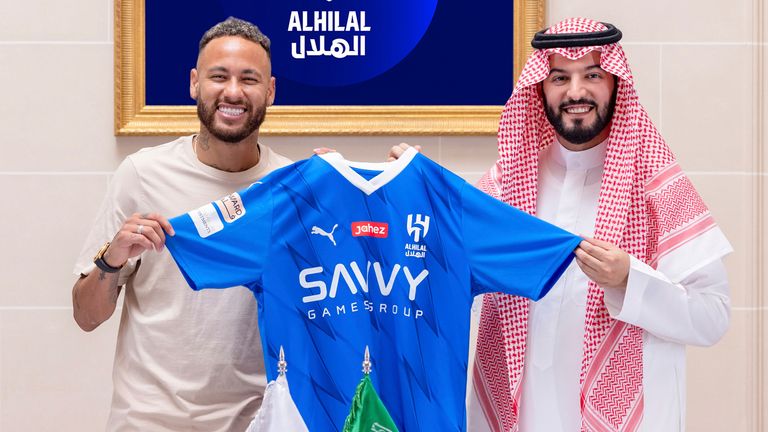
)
(317, 230)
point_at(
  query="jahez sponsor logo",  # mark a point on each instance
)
(370, 229)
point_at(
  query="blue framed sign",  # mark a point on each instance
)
(410, 67)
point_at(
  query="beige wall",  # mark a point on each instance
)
(699, 66)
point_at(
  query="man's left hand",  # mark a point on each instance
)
(396, 151)
(603, 262)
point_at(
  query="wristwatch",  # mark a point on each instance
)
(100, 263)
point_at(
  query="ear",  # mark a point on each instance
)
(271, 92)
(194, 84)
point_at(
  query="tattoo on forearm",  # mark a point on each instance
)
(114, 288)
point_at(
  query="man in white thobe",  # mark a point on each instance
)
(605, 349)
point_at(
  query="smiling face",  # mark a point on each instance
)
(233, 86)
(579, 98)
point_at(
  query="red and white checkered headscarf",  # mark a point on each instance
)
(646, 206)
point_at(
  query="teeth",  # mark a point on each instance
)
(231, 111)
(578, 110)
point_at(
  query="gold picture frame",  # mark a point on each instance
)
(134, 117)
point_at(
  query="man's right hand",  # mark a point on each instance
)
(138, 233)
(94, 296)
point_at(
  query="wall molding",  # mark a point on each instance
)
(759, 417)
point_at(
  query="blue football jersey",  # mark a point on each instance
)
(343, 255)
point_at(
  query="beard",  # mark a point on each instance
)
(581, 133)
(207, 115)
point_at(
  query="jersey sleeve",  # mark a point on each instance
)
(509, 250)
(224, 243)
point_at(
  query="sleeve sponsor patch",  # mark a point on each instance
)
(231, 207)
(206, 220)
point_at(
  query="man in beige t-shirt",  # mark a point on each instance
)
(185, 360)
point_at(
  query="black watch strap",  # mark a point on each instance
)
(101, 264)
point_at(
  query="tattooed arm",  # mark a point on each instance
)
(94, 296)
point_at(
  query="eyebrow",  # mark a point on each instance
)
(594, 66)
(244, 72)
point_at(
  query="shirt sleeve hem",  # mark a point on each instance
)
(624, 305)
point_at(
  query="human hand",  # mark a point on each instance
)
(323, 150)
(603, 262)
(396, 151)
(138, 233)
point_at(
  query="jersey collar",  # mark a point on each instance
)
(389, 170)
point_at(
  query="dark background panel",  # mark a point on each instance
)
(465, 58)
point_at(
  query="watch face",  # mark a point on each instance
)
(101, 251)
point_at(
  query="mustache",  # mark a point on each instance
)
(581, 101)
(235, 101)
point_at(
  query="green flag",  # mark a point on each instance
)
(368, 413)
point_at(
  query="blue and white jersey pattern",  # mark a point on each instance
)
(343, 255)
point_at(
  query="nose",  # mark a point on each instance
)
(576, 89)
(233, 90)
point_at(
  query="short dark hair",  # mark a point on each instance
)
(236, 27)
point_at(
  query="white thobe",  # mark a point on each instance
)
(694, 309)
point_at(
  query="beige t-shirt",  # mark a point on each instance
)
(185, 360)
